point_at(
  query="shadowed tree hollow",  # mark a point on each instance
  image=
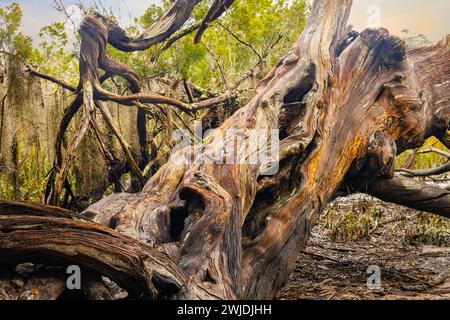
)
(344, 104)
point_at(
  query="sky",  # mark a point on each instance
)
(431, 17)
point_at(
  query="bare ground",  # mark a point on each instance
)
(414, 264)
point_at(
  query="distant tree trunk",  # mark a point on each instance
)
(345, 105)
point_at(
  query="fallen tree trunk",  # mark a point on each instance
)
(342, 105)
(137, 268)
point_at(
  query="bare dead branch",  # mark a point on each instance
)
(426, 172)
(61, 83)
(216, 60)
(248, 45)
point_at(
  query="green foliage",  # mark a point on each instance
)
(53, 46)
(361, 218)
(150, 16)
(56, 34)
(259, 23)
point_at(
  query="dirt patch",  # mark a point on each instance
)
(335, 268)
